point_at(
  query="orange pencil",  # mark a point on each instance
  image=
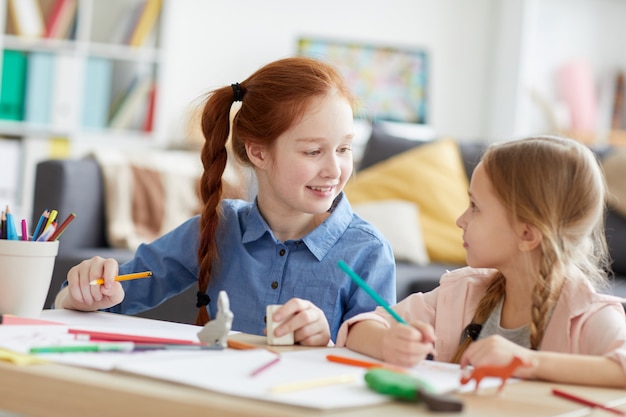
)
(364, 364)
(235, 344)
(61, 228)
(146, 274)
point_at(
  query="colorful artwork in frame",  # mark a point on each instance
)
(389, 83)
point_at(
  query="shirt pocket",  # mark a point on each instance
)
(323, 296)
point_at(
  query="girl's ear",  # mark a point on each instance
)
(530, 237)
(257, 154)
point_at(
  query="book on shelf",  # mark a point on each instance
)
(132, 105)
(39, 79)
(13, 86)
(66, 91)
(96, 92)
(146, 22)
(149, 119)
(61, 18)
(11, 152)
(128, 18)
(26, 18)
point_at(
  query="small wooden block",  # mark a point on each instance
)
(286, 339)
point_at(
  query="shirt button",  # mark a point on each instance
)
(282, 252)
(274, 285)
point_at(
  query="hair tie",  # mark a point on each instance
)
(203, 299)
(237, 92)
(472, 331)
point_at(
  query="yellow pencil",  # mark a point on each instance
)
(126, 277)
(313, 383)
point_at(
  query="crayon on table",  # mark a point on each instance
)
(363, 364)
(313, 383)
(583, 401)
(265, 366)
(126, 277)
(95, 347)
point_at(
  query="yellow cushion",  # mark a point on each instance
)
(431, 176)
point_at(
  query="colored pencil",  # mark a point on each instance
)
(265, 366)
(137, 275)
(369, 290)
(48, 231)
(313, 383)
(42, 220)
(62, 228)
(586, 402)
(361, 363)
(11, 231)
(235, 344)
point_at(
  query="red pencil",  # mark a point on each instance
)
(584, 401)
(61, 228)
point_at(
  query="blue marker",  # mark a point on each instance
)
(359, 281)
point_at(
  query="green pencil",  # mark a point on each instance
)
(359, 281)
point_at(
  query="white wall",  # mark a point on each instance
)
(211, 43)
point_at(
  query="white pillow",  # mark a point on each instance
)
(398, 221)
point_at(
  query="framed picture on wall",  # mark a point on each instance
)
(390, 83)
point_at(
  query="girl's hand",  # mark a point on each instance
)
(497, 351)
(306, 320)
(83, 296)
(406, 345)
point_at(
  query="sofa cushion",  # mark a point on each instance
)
(403, 228)
(383, 144)
(433, 177)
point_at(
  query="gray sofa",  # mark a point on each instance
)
(415, 278)
(76, 185)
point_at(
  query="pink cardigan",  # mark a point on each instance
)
(583, 321)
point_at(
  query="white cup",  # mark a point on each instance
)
(25, 276)
(286, 339)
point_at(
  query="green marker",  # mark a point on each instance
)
(359, 281)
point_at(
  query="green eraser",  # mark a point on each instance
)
(407, 387)
(396, 384)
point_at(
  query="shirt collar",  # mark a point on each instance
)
(320, 240)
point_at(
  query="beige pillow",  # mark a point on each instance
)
(398, 221)
(431, 176)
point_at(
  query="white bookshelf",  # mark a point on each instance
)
(96, 36)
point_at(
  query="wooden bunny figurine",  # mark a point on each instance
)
(215, 332)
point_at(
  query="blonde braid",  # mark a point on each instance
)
(492, 296)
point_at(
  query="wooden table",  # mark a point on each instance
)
(56, 390)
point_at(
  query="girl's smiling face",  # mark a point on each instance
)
(310, 163)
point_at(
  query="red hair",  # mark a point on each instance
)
(274, 98)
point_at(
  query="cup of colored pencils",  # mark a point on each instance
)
(27, 261)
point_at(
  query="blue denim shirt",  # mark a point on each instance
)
(256, 269)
